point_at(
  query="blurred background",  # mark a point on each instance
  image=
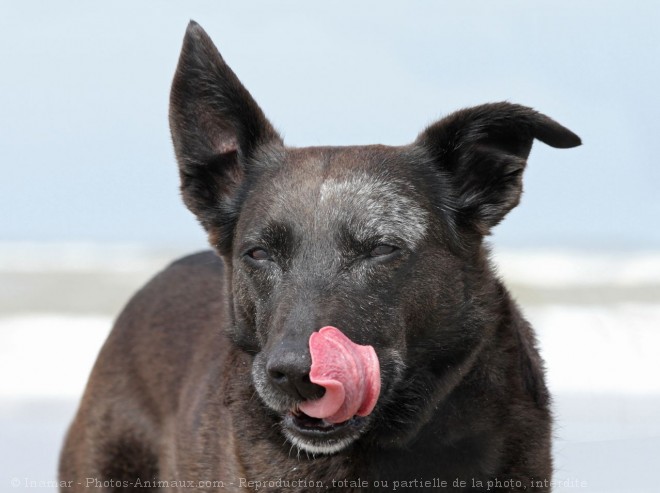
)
(90, 208)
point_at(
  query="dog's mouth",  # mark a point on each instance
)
(308, 423)
(319, 436)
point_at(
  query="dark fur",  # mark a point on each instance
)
(172, 395)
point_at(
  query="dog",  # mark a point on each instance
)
(346, 333)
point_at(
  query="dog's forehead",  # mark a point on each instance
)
(325, 174)
(360, 186)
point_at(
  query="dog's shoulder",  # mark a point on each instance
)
(182, 306)
(178, 316)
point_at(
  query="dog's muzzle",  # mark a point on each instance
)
(326, 403)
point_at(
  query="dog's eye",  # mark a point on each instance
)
(259, 254)
(382, 250)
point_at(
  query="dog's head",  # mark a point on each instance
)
(377, 241)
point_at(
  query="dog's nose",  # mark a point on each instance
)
(289, 372)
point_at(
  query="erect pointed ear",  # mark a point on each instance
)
(217, 128)
(483, 150)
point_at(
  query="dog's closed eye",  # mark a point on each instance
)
(259, 254)
(382, 250)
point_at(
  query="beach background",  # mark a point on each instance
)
(89, 206)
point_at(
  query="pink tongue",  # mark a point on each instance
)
(350, 374)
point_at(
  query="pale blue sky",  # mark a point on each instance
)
(85, 152)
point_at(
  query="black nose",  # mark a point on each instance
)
(288, 370)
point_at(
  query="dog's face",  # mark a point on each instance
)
(329, 237)
(376, 241)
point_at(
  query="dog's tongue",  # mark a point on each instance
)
(350, 374)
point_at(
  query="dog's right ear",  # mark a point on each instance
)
(217, 127)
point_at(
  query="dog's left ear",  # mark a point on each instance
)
(483, 150)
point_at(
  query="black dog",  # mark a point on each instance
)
(427, 376)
